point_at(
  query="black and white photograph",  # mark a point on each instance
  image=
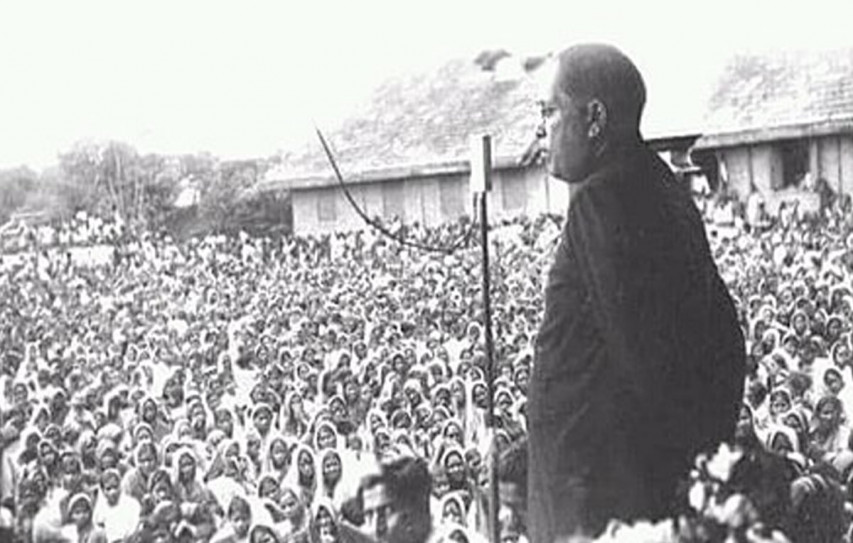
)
(465, 271)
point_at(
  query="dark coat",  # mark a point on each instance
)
(640, 358)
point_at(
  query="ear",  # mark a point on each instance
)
(596, 117)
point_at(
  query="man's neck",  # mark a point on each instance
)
(619, 147)
(615, 152)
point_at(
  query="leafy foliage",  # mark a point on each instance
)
(15, 185)
(112, 179)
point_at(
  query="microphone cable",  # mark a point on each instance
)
(382, 229)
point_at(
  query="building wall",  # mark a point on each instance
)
(829, 157)
(829, 161)
(430, 200)
(846, 182)
(835, 162)
(526, 191)
(738, 168)
(765, 168)
(558, 196)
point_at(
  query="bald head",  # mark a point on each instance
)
(596, 71)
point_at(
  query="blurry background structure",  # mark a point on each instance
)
(781, 124)
(210, 129)
(406, 151)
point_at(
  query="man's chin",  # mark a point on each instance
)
(560, 177)
(571, 179)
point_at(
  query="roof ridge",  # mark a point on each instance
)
(781, 88)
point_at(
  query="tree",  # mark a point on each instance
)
(221, 202)
(15, 186)
(111, 178)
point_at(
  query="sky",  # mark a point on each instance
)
(247, 79)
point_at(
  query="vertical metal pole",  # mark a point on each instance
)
(490, 369)
(480, 185)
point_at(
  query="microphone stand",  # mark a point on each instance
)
(481, 183)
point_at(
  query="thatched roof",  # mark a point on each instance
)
(423, 122)
(780, 96)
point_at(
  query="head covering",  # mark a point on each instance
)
(294, 476)
(325, 425)
(453, 497)
(263, 526)
(300, 521)
(79, 498)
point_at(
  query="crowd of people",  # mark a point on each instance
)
(231, 389)
(81, 230)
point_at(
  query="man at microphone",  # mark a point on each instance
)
(640, 358)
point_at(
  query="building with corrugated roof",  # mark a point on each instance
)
(406, 152)
(779, 123)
